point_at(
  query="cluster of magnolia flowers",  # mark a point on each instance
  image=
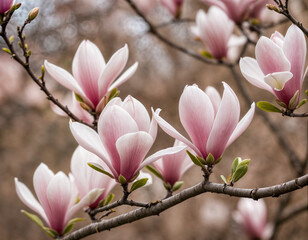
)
(125, 132)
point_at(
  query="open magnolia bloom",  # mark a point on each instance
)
(173, 166)
(57, 197)
(279, 65)
(174, 6)
(251, 215)
(125, 135)
(6, 5)
(215, 31)
(93, 79)
(212, 123)
(240, 10)
(86, 178)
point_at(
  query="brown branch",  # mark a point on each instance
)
(140, 213)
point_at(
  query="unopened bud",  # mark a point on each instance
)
(33, 14)
(272, 7)
(17, 5)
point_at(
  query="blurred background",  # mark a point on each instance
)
(30, 133)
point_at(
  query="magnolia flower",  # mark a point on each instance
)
(57, 196)
(172, 167)
(279, 65)
(125, 135)
(215, 31)
(92, 78)
(6, 5)
(86, 178)
(212, 123)
(174, 6)
(144, 5)
(251, 215)
(239, 10)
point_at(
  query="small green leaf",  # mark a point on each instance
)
(194, 159)
(293, 100)
(167, 186)
(244, 162)
(209, 159)
(177, 186)
(217, 160)
(122, 179)
(78, 98)
(235, 164)
(50, 232)
(306, 92)
(11, 39)
(138, 184)
(206, 54)
(114, 93)
(34, 218)
(268, 107)
(282, 104)
(109, 199)
(301, 103)
(70, 224)
(223, 178)
(154, 171)
(201, 160)
(85, 107)
(99, 168)
(7, 50)
(239, 173)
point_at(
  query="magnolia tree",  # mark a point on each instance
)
(115, 133)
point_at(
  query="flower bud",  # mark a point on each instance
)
(33, 14)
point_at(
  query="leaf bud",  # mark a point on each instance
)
(33, 14)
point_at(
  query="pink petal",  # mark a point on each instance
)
(271, 57)
(242, 125)
(214, 96)
(278, 80)
(113, 123)
(197, 116)
(6, 5)
(112, 70)
(225, 122)
(174, 133)
(28, 199)
(253, 74)
(153, 125)
(88, 65)
(90, 140)
(132, 148)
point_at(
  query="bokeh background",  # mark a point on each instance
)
(31, 133)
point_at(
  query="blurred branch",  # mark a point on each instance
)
(26, 64)
(140, 213)
(284, 10)
(290, 213)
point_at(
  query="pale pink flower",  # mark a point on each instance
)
(212, 123)
(215, 31)
(125, 135)
(240, 10)
(144, 5)
(93, 79)
(173, 166)
(6, 5)
(57, 196)
(279, 64)
(174, 6)
(86, 178)
(251, 215)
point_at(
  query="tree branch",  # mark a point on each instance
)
(140, 213)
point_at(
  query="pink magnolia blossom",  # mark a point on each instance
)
(174, 6)
(251, 215)
(125, 135)
(212, 123)
(6, 5)
(172, 167)
(144, 5)
(86, 178)
(279, 65)
(93, 79)
(57, 196)
(240, 10)
(215, 31)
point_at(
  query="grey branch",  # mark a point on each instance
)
(140, 213)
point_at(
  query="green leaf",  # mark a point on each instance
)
(206, 54)
(7, 50)
(122, 179)
(293, 100)
(79, 98)
(223, 178)
(217, 160)
(268, 107)
(177, 186)
(138, 184)
(154, 171)
(235, 164)
(244, 162)
(239, 173)
(101, 203)
(282, 104)
(34, 218)
(209, 159)
(306, 92)
(70, 225)
(114, 93)
(301, 103)
(167, 186)
(50, 232)
(109, 198)
(99, 168)
(194, 159)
